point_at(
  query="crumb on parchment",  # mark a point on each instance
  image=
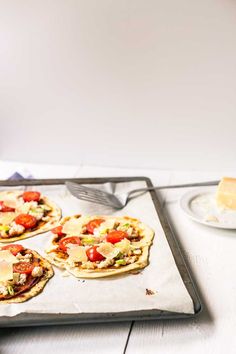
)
(150, 292)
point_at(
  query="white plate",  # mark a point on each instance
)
(200, 205)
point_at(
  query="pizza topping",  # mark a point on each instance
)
(4, 208)
(77, 254)
(6, 218)
(75, 226)
(45, 207)
(4, 229)
(128, 228)
(6, 255)
(26, 220)
(23, 268)
(19, 279)
(105, 227)
(31, 196)
(46, 218)
(93, 224)
(16, 229)
(3, 290)
(130, 260)
(124, 246)
(102, 242)
(120, 262)
(137, 251)
(20, 270)
(10, 290)
(94, 255)
(37, 271)
(58, 231)
(88, 240)
(106, 263)
(108, 250)
(88, 265)
(124, 226)
(64, 242)
(21, 212)
(38, 213)
(26, 258)
(13, 248)
(6, 270)
(24, 208)
(116, 236)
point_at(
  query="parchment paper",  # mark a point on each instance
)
(116, 294)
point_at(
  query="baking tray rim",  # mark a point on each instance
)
(29, 319)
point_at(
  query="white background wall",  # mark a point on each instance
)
(123, 83)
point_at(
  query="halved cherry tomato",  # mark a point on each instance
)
(64, 242)
(93, 224)
(31, 196)
(116, 236)
(26, 220)
(13, 248)
(23, 267)
(4, 208)
(58, 231)
(93, 254)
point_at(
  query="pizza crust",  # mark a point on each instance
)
(142, 261)
(37, 288)
(55, 216)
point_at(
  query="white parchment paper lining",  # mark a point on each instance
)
(117, 294)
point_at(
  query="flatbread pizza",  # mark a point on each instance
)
(23, 273)
(25, 214)
(100, 246)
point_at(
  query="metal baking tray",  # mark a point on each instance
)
(29, 319)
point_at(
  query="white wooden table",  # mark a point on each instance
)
(210, 254)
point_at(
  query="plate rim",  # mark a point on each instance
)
(188, 196)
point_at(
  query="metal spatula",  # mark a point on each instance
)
(119, 201)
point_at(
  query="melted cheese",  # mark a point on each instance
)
(6, 271)
(74, 227)
(6, 255)
(108, 250)
(77, 254)
(7, 217)
(226, 193)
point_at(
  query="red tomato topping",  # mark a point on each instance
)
(13, 248)
(26, 220)
(4, 208)
(64, 242)
(93, 254)
(93, 224)
(23, 267)
(31, 196)
(58, 231)
(116, 236)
